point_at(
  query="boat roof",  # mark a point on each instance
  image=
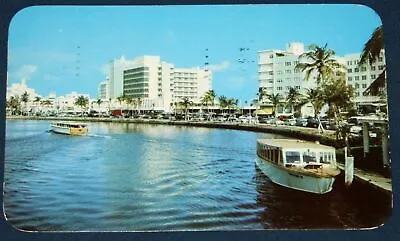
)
(293, 143)
(69, 123)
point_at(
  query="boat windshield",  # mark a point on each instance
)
(309, 156)
(292, 157)
(326, 157)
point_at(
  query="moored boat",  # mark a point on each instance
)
(301, 165)
(69, 128)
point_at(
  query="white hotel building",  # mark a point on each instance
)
(277, 72)
(157, 83)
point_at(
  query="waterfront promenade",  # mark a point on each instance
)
(311, 134)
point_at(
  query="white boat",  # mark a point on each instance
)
(301, 165)
(69, 128)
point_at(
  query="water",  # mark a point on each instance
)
(139, 177)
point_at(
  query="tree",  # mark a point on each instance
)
(293, 98)
(316, 98)
(262, 93)
(14, 104)
(186, 103)
(339, 97)
(373, 47)
(370, 54)
(275, 99)
(319, 60)
(98, 102)
(231, 103)
(138, 103)
(121, 99)
(82, 102)
(223, 102)
(25, 99)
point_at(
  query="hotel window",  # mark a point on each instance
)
(349, 79)
(271, 56)
(270, 72)
(357, 94)
(373, 68)
(288, 71)
(380, 59)
(356, 70)
(364, 85)
(288, 63)
(356, 86)
(279, 81)
(381, 67)
(363, 68)
(295, 62)
(297, 71)
(297, 87)
(356, 77)
(279, 72)
(279, 88)
(349, 70)
(373, 76)
(354, 62)
(364, 77)
(348, 62)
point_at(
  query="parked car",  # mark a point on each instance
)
(312, 122)
(301, 122)
(290, 122)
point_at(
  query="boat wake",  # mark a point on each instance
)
(99, 136)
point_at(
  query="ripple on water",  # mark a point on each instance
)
(146, 177)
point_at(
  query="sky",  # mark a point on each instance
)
(67, 48)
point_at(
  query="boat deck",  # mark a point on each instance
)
(292, 143)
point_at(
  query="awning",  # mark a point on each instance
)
(266, 111)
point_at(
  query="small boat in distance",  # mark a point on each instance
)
(301, 165)
(69, 128)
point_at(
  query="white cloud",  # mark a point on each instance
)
(122, 62)
(219, 67)
(25, 72)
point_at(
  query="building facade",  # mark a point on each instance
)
(277, 73)
(103, 90)
(158, 84)
(361, 76)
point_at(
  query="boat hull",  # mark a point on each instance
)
(297, 181)
(69, 130)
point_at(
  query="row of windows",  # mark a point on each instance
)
(136, 70)
(135, 85)
(356, 62)
(136, 95)
(142, 90)
(356, 86)
(363, 77)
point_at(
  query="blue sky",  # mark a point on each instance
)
(66, 48)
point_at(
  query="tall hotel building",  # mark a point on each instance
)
(276, 70)
(157, 83)
(103, 90)
(361, 76)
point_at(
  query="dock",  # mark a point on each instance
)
(373, 179)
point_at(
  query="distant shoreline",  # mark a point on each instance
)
(305, 133)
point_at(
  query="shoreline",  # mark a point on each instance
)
(310, 134)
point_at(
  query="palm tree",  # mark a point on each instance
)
(25, 99)
(293, 98)
(82, 102)
(121, 99)
(223, 102)
(139, 102)
(231, 103)
(186, 103)
(370, 53)
(14, 104)
(262, 92)
(99, 101)
(275, 99)
(319, 60)
(316, 98)
(373, 47)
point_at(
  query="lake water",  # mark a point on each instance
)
(136, 177)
